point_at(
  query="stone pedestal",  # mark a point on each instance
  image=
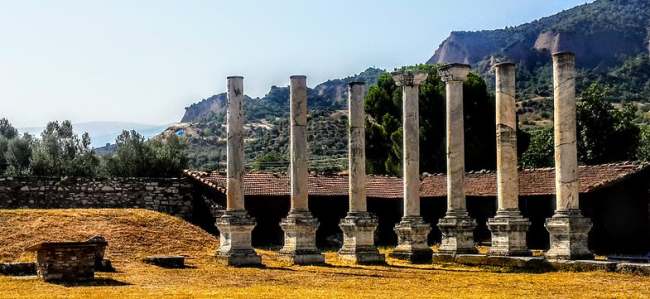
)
(235, 247)
(457, 234)
(412, 245)
(569, 232)
(359, 239)
(300, 239)
(509, 231)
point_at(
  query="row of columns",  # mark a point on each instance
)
(568, 229)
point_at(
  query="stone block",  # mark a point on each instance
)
(457, 234)
(633, 268)
(18, 269)
(569, 232)
(65, 261)
(166, 261)
(359, 239)
(412, 245)
(235, 247)
(508, 235)
(583, 265)
(300, 239)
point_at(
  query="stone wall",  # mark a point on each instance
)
(172, 196)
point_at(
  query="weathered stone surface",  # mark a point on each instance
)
(235, 246)
(235, 145)
(300, 226)
(583, 265)
(457, 234)
(166, 261)
(359, 239)
(412, 233)
(18, 269)
(568, 229)
(508, 230)
(357, 147)
(633, 268)
(569, 232)
(65, 261)
(172, 196)
(300, 239)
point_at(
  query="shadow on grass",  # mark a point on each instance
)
(97, 282)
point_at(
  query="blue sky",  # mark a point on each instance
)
(144, 61)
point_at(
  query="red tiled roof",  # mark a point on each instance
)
(538, 181)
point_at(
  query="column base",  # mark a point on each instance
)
(235, 247)
(300, 239)
(457, 234)
(569, 234)
(509, 231)
(412, 244)
(359, 239)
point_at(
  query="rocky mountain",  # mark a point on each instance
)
(604, 34)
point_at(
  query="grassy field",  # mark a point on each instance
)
(134, 234)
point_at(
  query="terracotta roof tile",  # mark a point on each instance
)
(531, 182)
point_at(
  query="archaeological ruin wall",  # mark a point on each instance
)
(168, 195)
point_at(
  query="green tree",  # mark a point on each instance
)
(19, 154)
(60, 152)
(383, 105)
(540, 150)
(6, 129)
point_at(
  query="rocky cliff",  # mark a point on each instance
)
(601, 33)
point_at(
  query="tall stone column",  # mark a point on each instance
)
(508, 227)
(457, 227)
(412, 231)
(235, 226)
(568, 229)
(358, 226)
(299, 226)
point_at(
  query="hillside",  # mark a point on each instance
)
(609, 38)
(267, 133)
(132, 234)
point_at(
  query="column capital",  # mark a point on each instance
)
(409, 78)
(454, 72)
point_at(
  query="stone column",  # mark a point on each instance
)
(508, 227)
(235, 225)
(358, 226)
(568, 229)
(299, 226)
(412, 231)
(457, 227)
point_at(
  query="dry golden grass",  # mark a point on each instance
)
(134, 233)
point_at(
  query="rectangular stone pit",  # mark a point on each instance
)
(65, 261)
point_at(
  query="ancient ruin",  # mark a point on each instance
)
(412, 231)
(65, 261)
(358, 226)
(235, 225)
(457, 227)
(299, 226)
(568, 229)
(508, 227)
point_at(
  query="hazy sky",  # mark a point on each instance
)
(144, 61)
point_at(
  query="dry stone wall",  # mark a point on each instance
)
(172, 196)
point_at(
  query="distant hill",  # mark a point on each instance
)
(204, 125)
(609, 37)
(105, 132)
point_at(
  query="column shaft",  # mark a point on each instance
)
(357, 145)
(235, 145)
(411, 149)
(455, 147)
(564, 115)
(507, 176)
(298, 147)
